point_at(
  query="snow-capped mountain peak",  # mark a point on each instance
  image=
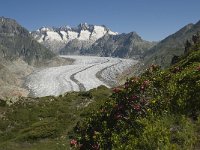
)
(56, 38)
(83, 26)
(44, 29)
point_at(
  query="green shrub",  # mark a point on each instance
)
(2, 103)
(165, 132)
(40, 130)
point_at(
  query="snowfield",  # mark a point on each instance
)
(80, 76)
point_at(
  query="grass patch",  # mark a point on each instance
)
(35, 123)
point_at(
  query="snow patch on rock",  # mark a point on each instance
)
(84, 35)
(51, 35)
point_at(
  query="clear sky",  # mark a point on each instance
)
(152, 19)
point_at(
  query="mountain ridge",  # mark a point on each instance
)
(125, 45)
(15, 42)
(171, 46)
(87, 39)
(56, 38)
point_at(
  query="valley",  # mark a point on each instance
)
(90, 88)
(87, 72)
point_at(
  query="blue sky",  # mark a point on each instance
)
(151, 19)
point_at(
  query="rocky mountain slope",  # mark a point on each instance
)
(121, 45)
(82, 36)
(92, 40)
(173, 45)
(16, 42)
(18, 53)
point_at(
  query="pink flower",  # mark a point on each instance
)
(136, 107)
(146, 83)
(73, 142)
(176, 69)
(142, 87)
(198, 68)
(126, 85)
(95, 147)
(134, 97)
(116, 90)
(117, 116)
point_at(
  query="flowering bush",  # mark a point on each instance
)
(155, 93)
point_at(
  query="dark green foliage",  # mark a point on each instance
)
(85, 94)
(2, 103)
(40, 130)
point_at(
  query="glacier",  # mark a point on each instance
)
(79, 76)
